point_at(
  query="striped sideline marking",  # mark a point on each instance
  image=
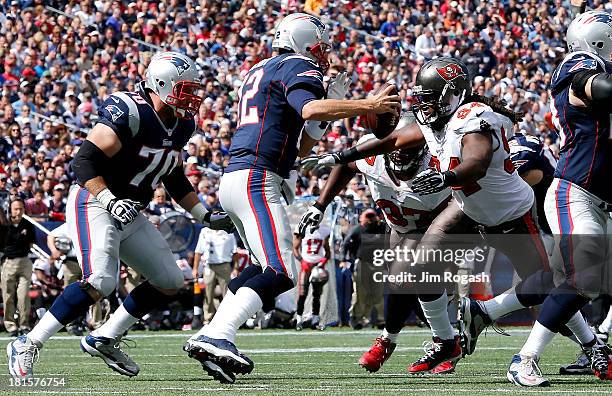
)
(266, 333)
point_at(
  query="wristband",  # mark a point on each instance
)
(199, 212)
(450, 178)
(319, 206)
(349, 155)
(105, 197)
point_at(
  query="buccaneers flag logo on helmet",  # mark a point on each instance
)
(450, 72)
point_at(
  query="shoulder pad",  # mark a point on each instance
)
(469, 116)
(573, 63)
(134, 115)
(365, 138)
(121, 110)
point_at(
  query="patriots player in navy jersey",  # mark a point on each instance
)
(283, 111)
(579, 200)
(135, 145)
(535, 163)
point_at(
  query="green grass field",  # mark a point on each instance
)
(309, 362)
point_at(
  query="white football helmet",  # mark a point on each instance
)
(305, 35)
(175, 79)
(591, 32)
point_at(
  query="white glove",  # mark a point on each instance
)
(218, 221)
(311, 219)
(430, 181)
(317, 161)
(125, 210)
(338, 86)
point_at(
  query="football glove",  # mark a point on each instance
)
(311, 219)
(338, 86)
(430, 181)
(318, 161)
(218, 221)
(124, 210)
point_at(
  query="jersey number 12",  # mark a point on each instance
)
(249, 114)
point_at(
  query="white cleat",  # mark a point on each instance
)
(524, 371)
(22, 354)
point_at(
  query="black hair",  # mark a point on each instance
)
(498, 106)
(284, 51)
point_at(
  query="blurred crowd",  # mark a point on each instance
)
(60, 60)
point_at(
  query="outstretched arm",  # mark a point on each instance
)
(339, 177)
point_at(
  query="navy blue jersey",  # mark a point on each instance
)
(267, 136)
(585, 150)
(528, 153)
(149, 150)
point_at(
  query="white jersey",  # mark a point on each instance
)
(62, 232)
(501, 195)
(401, 207)
(313, 250)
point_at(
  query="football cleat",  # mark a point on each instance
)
(436, 353)
(447, 367)
(215, 371)
(223, 353)
(602, 336)
(299, 323)
(524, 371)
(108, 350)
(473, 320)
(581, 366)
(601, 361)
(378, 354)
(22, 354)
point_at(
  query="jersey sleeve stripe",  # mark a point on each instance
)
(134, 116)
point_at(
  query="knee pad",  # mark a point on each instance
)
(245, 275)
(268, 286)
(104, 284)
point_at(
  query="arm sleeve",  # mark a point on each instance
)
(200, 245)
(601, 88)
(177, 184)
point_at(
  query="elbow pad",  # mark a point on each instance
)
(579, 82)
(87, 162)
(315, 129)
(601, 88)
(177, 184)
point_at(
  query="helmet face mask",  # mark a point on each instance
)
(184, 99)
(320, 52)
(405, 163)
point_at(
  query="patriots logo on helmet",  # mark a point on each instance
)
(180, 64)
(114, 111)
(450, 72)
(600, 17)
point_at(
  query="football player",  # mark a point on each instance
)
(277, 96)
(467, 134)
(408, 214)
(311, 250)
(579, 200)
(135, 145)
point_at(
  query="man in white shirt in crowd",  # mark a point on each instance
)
(213, 261)
(425, 45)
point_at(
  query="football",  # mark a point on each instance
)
(383, 124)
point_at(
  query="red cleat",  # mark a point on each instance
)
(437, 352)
(447, 367)
(373, 359)
(601, 361)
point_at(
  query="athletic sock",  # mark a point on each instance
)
(502, 304)
(581, 329)
(436, 312)
(142, 300)
(71, 304)
(233, 311)
(389, 336)
(606, 325)
(117, 324)
(538, 339)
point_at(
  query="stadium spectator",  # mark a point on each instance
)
(16, 268)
